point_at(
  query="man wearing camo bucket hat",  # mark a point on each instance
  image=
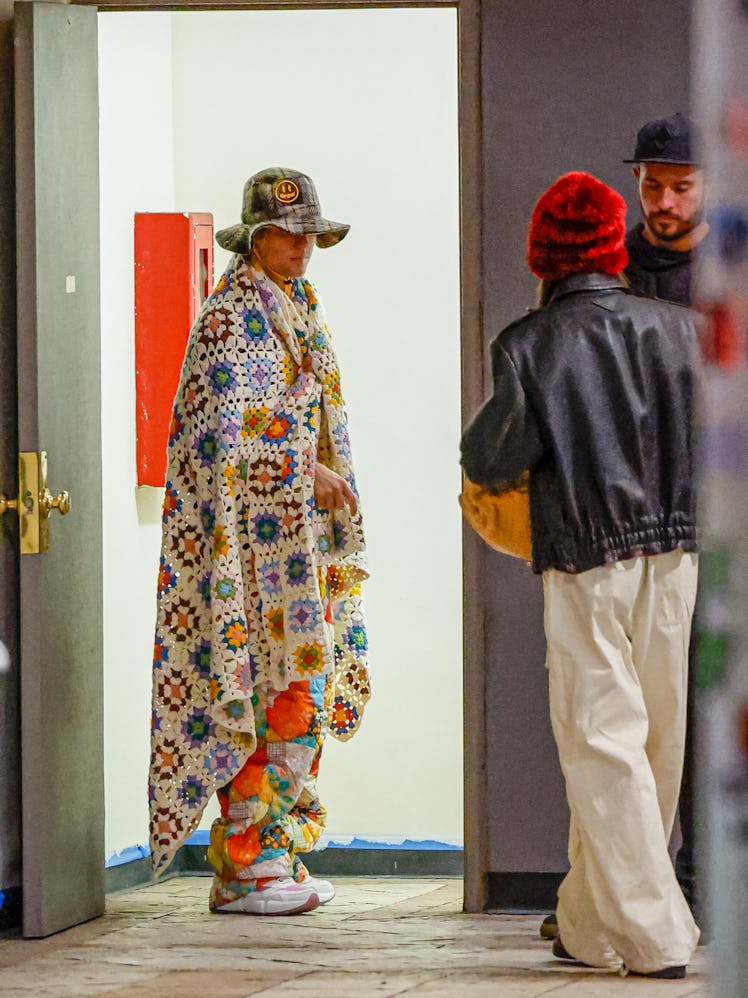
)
(260, 638)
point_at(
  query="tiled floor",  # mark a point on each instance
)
(377, 937)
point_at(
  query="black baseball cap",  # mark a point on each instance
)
(667, 140)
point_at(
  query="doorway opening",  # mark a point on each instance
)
(365, 101)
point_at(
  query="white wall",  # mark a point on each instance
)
(136, 174)
(365, 102)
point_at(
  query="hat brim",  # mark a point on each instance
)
(663, 159)
(238, 238)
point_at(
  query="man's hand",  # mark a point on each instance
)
(331, 491)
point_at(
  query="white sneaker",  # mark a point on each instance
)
(322, 888)
(278, 897)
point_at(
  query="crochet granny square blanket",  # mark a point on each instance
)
(258, 587)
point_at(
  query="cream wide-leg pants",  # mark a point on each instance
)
(618, 668)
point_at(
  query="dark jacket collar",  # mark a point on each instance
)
(653, 256)
(586, 282)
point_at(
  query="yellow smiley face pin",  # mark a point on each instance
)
(286, 191)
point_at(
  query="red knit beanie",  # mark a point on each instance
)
(577, 227)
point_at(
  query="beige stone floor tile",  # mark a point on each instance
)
(613, 986)
(510, 984)
(200, 984)
(377, 937)
(496, 984)
(343, 984)
(24, 951)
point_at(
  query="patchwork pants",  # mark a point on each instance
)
(618, 670)
(270, 811)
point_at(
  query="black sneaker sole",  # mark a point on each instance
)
(561, 953)
(666, 974)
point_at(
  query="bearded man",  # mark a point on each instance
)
(260, 640)
(672, 192)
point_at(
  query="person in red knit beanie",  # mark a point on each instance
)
(593, 396)
(577, 227)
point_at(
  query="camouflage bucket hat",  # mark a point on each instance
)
(285, 198)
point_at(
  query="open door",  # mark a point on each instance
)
(59, 412)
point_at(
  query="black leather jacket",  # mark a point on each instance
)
(594, 394)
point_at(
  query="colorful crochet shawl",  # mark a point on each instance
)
(252, 573)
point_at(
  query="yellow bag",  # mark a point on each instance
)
(503, 519)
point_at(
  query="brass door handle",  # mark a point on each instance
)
(35, 502)
(48, 502)
(6, 503)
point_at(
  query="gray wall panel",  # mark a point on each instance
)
(567, 83)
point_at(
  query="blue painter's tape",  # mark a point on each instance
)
(202, 838)
(416, 844)
(128, 855)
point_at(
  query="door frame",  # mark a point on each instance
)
(472, 365)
